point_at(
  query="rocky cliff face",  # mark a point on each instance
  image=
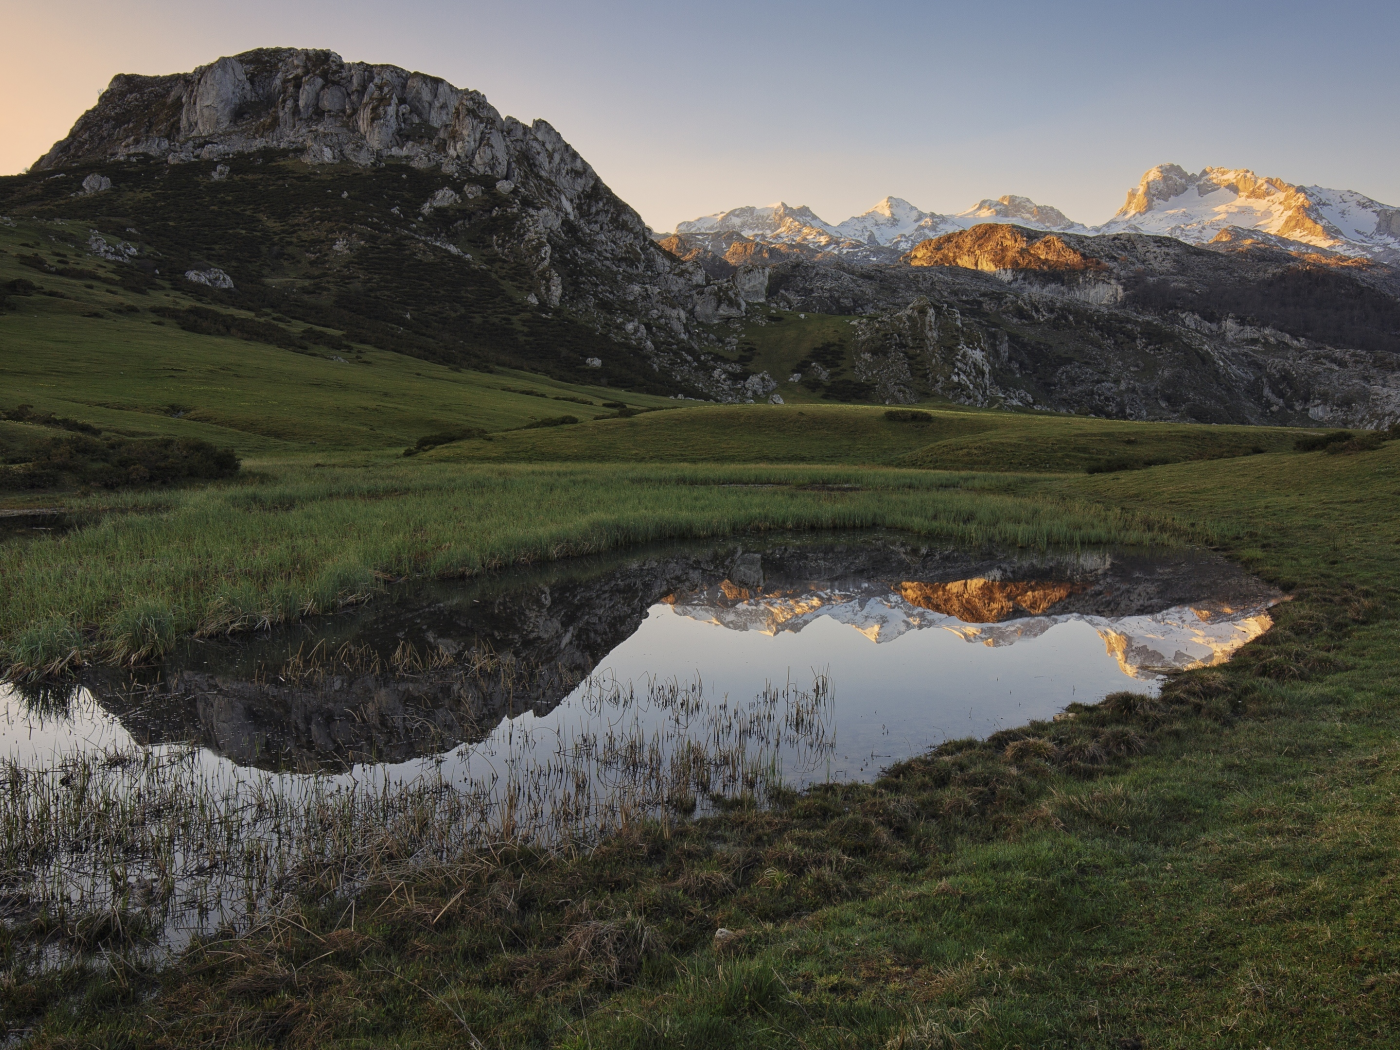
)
(1122, 326)
(994, 247)
(496, 194)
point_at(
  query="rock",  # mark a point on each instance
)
(212, 278)
(505, 186)
(796, 377)
(760, 385)
(776, 399)
(220, 173)
(220, 90)
(120, 252)
(443, 198)
(594, 362)
(716, 302)
(309, 98)
(333, 99)
(95, 183)
(751, 282)
(726, 940)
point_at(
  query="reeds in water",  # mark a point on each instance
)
(155, 845)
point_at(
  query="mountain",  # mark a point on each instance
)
(1124, 326)
(289, 192)
(1222, 201)
(894, 223)
(1022, 211)
(389, 205)
(1228, 205)
(880, 235)
(746, 235)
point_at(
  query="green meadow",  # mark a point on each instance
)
(1214, 867)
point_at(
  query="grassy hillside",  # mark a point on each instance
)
(944, 438)
(85, 345)
(337, 246)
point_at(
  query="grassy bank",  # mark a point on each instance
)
(1214, 868)
(294, 538)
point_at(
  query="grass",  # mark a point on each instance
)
(1214, 868)
(297, 538)
(953, 438)
(137, 373)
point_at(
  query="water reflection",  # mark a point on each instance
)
(447, 664)
(557, 703)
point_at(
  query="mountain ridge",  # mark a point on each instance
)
(1168, 201)
(407, 214)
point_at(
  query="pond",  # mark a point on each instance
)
(550, 705)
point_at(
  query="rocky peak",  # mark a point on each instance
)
(332, 111)
(993, 247)
(1197, 208)
(893, 223)
(1022, 210)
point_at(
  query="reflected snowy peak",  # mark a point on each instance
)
(992, 612)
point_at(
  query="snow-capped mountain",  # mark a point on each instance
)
(1176, 638)
(1218, 204)
(882, 234)
(776, 224)
(1219, 201)
(1022, 211)
(895, 223)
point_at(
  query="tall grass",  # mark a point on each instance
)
(294, 540)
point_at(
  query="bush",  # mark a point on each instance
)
(1117, 463)
(445, 437)
(26, 414)
(552, 421)
(1314, 442)
(908, 415)
(112, 463)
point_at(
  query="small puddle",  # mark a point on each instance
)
(560, 702)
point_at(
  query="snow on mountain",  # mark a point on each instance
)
(776, 224)
(1180, 637)
(895, 223)
(1198, 208)
(1217, 204)
(889, 229)
(1023, 212)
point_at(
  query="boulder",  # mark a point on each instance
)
(212, 278)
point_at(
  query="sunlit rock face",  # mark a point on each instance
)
(986, 601)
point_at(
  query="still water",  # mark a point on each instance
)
(557, 703)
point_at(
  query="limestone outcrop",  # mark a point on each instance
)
(589, 252)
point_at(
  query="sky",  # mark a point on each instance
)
(690, 108)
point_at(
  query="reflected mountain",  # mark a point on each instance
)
(432, 666)
(999, 612)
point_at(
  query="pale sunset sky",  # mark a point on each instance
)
(686, 109)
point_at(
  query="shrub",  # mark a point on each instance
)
(1314, 442)
(908, 415)
(445, 437)
(552, 421)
